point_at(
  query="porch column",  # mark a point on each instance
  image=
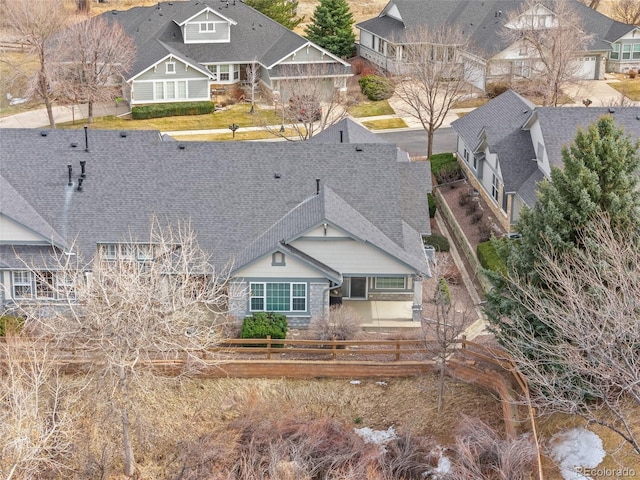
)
(417, 299)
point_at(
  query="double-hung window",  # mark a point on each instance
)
(224, 72)
(278, 297)
(22, 286)
(636, 51)
(495, 187)
(626, 51)
(614, 54)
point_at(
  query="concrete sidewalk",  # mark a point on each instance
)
(38, 118)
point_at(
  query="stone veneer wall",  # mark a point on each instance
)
(318, 299)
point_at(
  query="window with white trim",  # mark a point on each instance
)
(224, 72)
(465, 154)
(495, 187)
(626, 51)
(170, 89)
(22, 287)
(636, 51)
(278, 296)
(391, 283)
(44, 284)
(40, 285)
(207, 27)
(170, 67)
(615, 53)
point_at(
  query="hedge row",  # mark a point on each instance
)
(488, 257)
(171, 110)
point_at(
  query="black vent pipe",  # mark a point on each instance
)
(82, 166)
(70, 168)
(86, 138)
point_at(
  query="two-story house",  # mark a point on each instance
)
(614, 46)
(303, 225)
(509, 145)
(185, 50)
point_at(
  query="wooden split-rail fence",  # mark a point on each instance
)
(290, 358)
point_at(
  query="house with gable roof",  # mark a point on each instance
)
(185, 50)
(615, 46)
(507, 146)
(303, 225)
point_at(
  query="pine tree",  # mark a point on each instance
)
(600, 176)
(282, 11)
(332, 27)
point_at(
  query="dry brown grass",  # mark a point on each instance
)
(174, 417)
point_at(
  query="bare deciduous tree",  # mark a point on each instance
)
(552, 41)
(590, 366)
(142, 302)
(36, 426)
(253, 77)
(309, 101)
(92, 57)
(35, 24)
(443, 332)
(432, 77)
(627, 11)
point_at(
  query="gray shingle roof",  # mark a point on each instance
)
(528, 192)
(478, 20)
(156, 33)
(227, 190)
(346, 131)
(500, 122)
(560, 125)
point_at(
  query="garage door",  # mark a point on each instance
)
(587, 68)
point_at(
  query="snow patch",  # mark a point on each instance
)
(575, 449)
(378, 437)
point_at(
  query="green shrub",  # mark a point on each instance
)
(375, 87)
(9, 324)
(171, 110)
(496, 89)
(432, 205)
(444, 294)
(488, 257)
(439, 242)
(264, 324)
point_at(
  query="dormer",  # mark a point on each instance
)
(206, 26)
(537, 17)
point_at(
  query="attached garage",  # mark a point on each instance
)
(587, 68)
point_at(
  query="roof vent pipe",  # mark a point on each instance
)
(82, 165)
(86, 138)
(341, 136)
(70, 168)
(317, 186)
(80, 184)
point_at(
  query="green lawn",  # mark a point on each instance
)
(629, 87)
(222, 119)
(371, 109)
(385, 124)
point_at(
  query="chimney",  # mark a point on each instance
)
(70, 168)
(86, 138)
(317, 186)
(82, 165)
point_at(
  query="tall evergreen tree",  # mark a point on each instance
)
(600, 176)
(332, 27)
(282, 11)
